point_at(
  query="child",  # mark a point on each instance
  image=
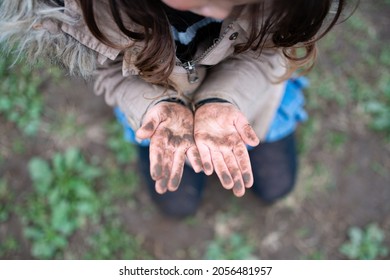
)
(203, 80)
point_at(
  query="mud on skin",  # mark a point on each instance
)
(149, 126)
(226, 178)
(177, 140)
(222, 128)
(173, 134)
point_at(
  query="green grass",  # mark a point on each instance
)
(351, 76)
(66, 126)
(316, 255)
(349, 87)
(380, 112)
(6, 199)
(121, 179)
(62, 201)
(315, 179)
(365, 243)
(379, 169)
(119, 184)
(234, 247)
(113, 242)
(124, 151)
(19, 147)
(305, 135)
(69, 193)
(21, 99)
(336, 141)
(8, 246)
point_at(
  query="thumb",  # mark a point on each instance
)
(148, 127)
(246, 131)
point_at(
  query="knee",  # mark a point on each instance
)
(274, 167)
(173, 208)
(270, 192)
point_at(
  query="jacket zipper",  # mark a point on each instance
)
(192, 73)
(190, 66)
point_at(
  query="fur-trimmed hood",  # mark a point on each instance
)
(32, 29)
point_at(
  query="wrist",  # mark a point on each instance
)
(209, 100)
(173, 100)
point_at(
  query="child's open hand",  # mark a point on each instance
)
(221, 132)
(170, 129)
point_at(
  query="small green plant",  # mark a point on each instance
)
(113, 242)
(365, 244)
(336, 141)
(307, 135)
(234, 247)
(6, 197)
(21, 101)
(379, 107)
(316, 255)
(380, 113)
(19, 146)
(9, 245)
(62, 201)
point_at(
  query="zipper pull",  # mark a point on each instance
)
(192, 73)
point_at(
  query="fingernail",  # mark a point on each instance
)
(175, 182)
(238, 189)
(226, 179)
(149, 126)
(157, 171)
(246, 177)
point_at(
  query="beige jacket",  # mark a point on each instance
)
(245, 80)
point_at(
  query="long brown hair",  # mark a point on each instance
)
(290, 25)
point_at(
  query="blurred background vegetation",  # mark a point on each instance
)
(69, 188)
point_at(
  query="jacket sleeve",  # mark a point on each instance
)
(250, 82)
(131, 94)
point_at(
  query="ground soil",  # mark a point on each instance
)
(303, 225)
